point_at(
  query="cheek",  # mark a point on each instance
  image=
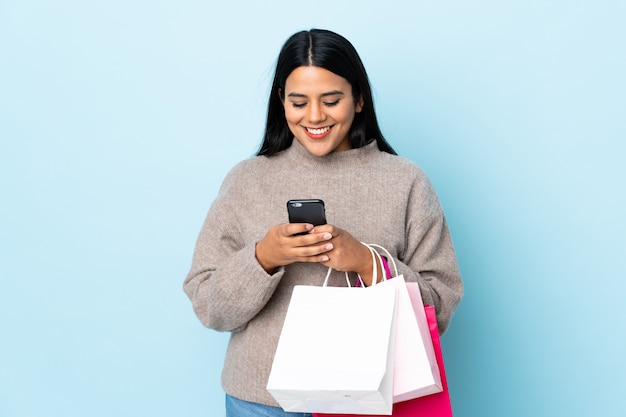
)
(346, 116)
(293, 120)
(344, 113)
(291, 116)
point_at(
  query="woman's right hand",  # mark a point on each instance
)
(282, 246)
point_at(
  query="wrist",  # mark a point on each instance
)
(265, 263)
(366, 267)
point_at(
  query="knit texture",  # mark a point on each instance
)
(375, 196)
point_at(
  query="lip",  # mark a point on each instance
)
(320, 133)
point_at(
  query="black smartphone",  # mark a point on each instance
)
(306, 211)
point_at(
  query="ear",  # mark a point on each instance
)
(358, 107)
(280, 95)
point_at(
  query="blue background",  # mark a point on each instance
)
(119, 120)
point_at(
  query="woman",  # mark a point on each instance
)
(322, 140)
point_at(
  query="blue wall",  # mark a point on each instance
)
(118, 121)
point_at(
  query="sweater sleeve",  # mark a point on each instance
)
(429, 257)
(226, 284)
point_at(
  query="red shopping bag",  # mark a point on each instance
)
(434, 405)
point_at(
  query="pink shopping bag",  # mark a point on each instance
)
(434, 405)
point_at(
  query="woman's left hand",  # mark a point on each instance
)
(348, 254)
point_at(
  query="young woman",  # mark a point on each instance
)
(322, 140)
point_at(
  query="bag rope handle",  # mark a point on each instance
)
(393, 262)
(383, 263)
(330, 270)
(374, 267)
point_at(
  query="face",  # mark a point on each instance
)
(320, 108)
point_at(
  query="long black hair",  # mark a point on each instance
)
(333, 52)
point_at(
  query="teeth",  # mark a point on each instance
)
(318, 131)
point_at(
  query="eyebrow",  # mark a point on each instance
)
(329, 93)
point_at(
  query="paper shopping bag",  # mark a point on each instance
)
(435, 405)
(416, 373)
(336, 351)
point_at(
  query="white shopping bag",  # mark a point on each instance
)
(336, 351)
(416, 371)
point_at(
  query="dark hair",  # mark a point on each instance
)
(333, 52)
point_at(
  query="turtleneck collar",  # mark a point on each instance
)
(297, 151)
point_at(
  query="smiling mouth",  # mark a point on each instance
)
(317, 133)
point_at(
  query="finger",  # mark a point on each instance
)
(309, 239)
(297, 228)
(328, 228)
(321, 259)
(313, 251)
(313, 238)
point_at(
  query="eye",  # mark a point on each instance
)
(331, 103)
(298, 105)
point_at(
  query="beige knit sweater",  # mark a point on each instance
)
(377, 197)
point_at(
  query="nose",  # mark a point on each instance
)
(316, 113)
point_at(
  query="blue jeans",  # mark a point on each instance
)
(240, 408)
